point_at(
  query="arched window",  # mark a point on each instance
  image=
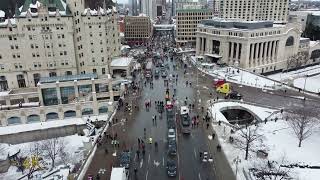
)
(33, 118)
(69, 114)
(52, 115)
(14, 120)
(290, 41)
(103, 109)
(87, 111)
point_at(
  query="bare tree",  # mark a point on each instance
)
(302, 122)
(35, 149)
(270, 170)
(247, 137)
(52, 148)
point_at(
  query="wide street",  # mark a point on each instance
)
(189, 167)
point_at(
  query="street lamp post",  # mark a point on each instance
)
(304, 86)
(237, 160)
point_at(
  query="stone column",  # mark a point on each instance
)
(265, 52)
(237, 52)
(260, 52)
(274, 50)
(198, 45)
(40, 95)
(25, 99)
(203, 50)
(8, 102)
(256, 53)
(58, 92)
(231, 54)
(251, 52)
(76, 90)
(269, 51)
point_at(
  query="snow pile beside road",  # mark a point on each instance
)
(278, 140)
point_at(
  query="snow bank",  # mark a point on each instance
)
(278, 141)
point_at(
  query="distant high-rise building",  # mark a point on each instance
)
(134, 8)
(149, 8)
(253, 10)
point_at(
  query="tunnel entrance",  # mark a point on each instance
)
(238, 116)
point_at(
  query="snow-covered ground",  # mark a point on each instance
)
(298, 78)
(49, 124)
(277, 140)
(309, 83)
(237, 76)
(74, 153)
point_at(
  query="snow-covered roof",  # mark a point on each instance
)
(121, 61)
(60, 5)
(99, 11)
(7, 21)
(2, 14)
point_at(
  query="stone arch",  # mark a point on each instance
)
(87, 111)
(52, 115)
(290, 41)
(70, 113)
(103, 109)
(14, 120)
(33, 118)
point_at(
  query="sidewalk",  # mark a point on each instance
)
(104, 159)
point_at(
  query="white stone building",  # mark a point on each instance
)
(56, 39)
(259, 46)
(253, 10)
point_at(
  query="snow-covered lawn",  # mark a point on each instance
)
(235, 75)
(297, 78)
(310, 83)
(74, 153)
(278, 140)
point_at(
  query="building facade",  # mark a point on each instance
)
(187, 21)
(253, 10)
(56, 39)
(149, 8)
(138, 30)
(260, 47)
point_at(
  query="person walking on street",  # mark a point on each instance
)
(213, 135)
(207, 125)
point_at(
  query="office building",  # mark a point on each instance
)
(253, 10)
(138, 30)
(187, 21)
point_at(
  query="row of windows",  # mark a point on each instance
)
(264, 33)
(51, 64)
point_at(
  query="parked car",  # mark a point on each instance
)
(233, 95)
(156, 73)
(171, 134)
(171, 167)
(172, 147)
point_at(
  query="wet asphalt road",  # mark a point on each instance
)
(153, 165)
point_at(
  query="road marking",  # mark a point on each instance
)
(199, 176)
(149, 159)
(141, 163)
(147, 175)
(195, 154)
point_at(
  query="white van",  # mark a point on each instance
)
(119, 173)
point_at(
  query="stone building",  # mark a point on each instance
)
(54, 38)
(259, 46)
